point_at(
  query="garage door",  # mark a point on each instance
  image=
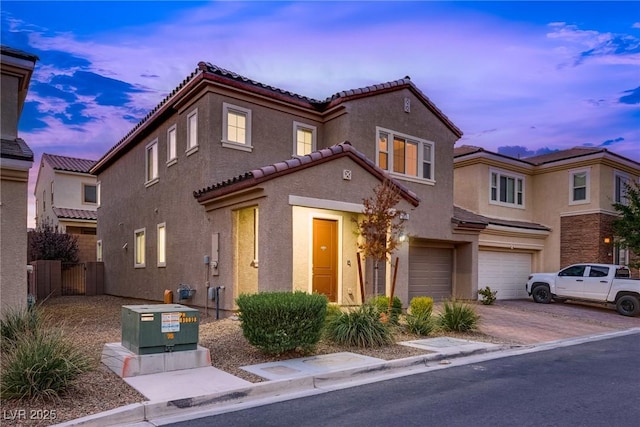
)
(430, 272)
(506, 272)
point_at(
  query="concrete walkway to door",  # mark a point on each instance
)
(526, 322)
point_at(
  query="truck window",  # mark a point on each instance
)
(623, 273)
(597, 271)
(573, 271)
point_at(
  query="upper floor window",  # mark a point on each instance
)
(192, 132)
(89, 194)
(507, 189)
(162, 245)
(151, 163)
(304, 139)
(139, 248)
(172, 153)
(404, 155)
(52, 204)
(236, 127)
(579, 186)
(98, 192)
(621, 182)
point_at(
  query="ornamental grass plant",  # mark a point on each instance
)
(360, 327)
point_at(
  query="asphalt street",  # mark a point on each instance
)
(592, 384)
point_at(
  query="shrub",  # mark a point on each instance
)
(457, 316)
(421, 306)
(422, 324)
(40, 365)
(18, 322)
(488, 296)
(360, 327)
(278, 322)
(46, 243)
(381, 303)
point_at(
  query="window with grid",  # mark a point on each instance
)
(236, 127)
(304, 139)
(404, 155)
(621, 182)
(579, 186)
(507, 189)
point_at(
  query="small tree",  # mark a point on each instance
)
(380, 226)
(627, 227)
(46, 243)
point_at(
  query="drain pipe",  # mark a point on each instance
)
(218, 301)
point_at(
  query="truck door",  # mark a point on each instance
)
(597, 282)
(570, 281)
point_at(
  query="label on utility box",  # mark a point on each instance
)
(170, 322)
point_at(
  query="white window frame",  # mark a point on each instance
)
(99, 251)
(172, 148)
(572, 187)
(620, 196)
(226, 142)
(620, 255)
(517, 178)
(99, 192)
(420, 161)
(192, 132)
(84, 199)
(298, 126)
(162, 244)
(151, 169)
(139, 262)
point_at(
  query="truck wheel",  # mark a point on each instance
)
(541, 294)
(628, 305)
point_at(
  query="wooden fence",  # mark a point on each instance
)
(54, 278)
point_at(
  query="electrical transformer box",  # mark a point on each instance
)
(159, 328)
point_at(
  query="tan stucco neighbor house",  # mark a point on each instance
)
(16, 158)
(233, 183)
(543, 212)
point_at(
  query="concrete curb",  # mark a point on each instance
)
(145, 411)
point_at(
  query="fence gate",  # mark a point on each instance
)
(74, 279)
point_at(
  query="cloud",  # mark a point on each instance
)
(633, 96)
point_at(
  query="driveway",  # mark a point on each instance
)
(525, 322)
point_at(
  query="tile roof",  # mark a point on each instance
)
(15, 149)
(17, 53)
(75, 214)
(465, 217)
(564, 155)
(256, 176)
(68, 164)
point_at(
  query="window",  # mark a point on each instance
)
(596, 271)
(151, 163)
(620, 255)
(44, 200)
(236, 127)
(573, 271)
(139, 250)
(579, 186)
(621, 182)
(172, 154)
(507, 189)
(99, 250)
(405, 155)
(304, 139)
(192, 132)
(51, 193)
(89, 194)
(98, 192)
(162, 245)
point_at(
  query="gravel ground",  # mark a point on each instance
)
(90, 322)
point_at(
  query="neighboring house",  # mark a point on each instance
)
(262, 184)
(543, 212)
(16, 158)
(67, 196)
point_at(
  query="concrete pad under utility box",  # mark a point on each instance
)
(126, 363)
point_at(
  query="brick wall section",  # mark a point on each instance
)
(582, 239)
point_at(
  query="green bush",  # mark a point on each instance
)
(278, 322)
(421, 306)
(421, 324)
(381, 303)
(488, 296)
(40, 365)
(18, 322)
(361, 327)
(458, 316)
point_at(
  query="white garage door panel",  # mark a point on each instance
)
(430, 272)
(506, 272)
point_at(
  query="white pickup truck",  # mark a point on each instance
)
(600, 283)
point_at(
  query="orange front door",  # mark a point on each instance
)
(325, 258)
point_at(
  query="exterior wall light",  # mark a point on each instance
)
(607, 240)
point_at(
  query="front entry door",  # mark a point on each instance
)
(325, 258)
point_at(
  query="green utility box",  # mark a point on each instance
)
(159, 328)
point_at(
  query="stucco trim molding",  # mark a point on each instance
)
(498, 230)
(590, 212)
(335, 205)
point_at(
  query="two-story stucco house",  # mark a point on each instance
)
(66, 196)
(232, 183)
(16, 158)
(543, 212)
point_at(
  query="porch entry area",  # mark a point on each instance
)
(325, 258)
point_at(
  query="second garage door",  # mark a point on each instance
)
(430, 271)
(505, 272)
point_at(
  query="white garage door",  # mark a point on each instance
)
(506, 272)
(430, 272)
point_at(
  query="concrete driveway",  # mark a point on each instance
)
(526, 322)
